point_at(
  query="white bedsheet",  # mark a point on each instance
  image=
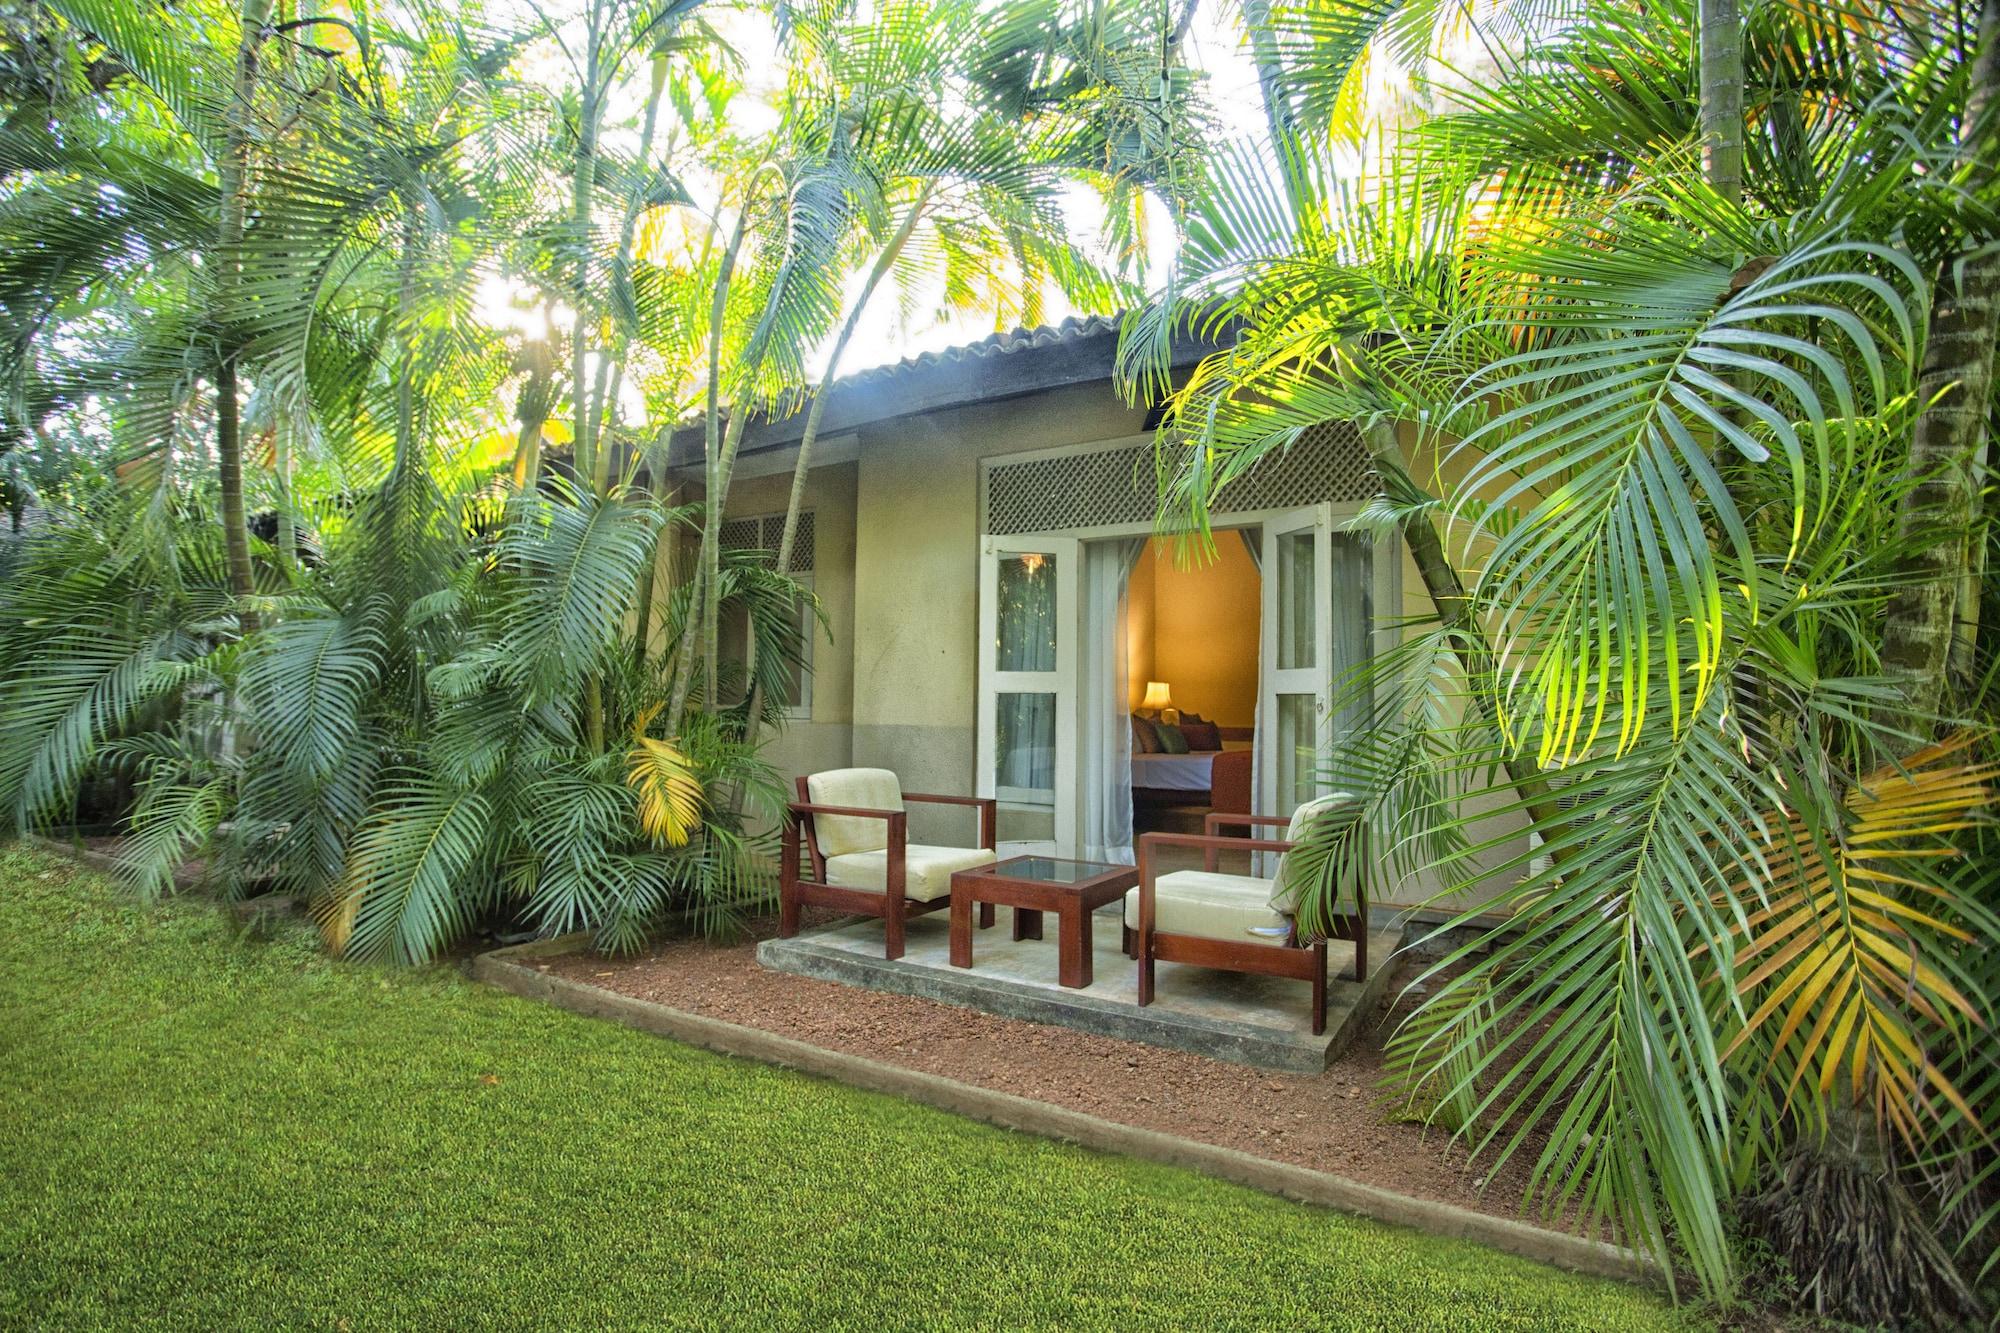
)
(1172, 772)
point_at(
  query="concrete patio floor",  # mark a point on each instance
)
(1260, 1021)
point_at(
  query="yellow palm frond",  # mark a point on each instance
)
(1835, 957)
(670, 795)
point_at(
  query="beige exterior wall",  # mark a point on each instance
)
(897, 570)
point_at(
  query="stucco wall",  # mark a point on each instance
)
(898, 571)
(916, 573)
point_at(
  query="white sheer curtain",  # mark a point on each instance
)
(1260, 800)
(1104, 754)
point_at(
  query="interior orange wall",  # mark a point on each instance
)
(1139, 602)
(1196, 629)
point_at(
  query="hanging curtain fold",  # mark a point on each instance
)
(1104, 756)
(1260, 800)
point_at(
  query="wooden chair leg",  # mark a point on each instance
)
(1361, 947)
(1319, 988)
(1145, 974)
(788, 912)
(1129, 942)
(892, 942)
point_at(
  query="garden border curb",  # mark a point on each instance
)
(506, 970)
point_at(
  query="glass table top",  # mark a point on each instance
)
(1053, 869)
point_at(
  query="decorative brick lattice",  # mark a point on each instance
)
(1327, 463)
(765, 531)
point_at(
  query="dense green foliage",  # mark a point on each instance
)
(1691, 463)
(210, 1131)
(427, 294)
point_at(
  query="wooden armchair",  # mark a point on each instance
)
(1238, 923)
(855, 830)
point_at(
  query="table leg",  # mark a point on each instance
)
(961, 929)
(1027, 923)
(1073, 961)
(986, 916)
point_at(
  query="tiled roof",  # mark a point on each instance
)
(1074, 329)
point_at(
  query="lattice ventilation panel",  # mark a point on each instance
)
(1328, 462)
(765, 531)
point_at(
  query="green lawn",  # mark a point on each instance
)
(209, 1131)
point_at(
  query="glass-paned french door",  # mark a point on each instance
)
(1027, 689)
(1321, 590)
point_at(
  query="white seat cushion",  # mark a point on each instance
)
(856, 788)
(1285, 894)
(927, 871)
(1212, 906)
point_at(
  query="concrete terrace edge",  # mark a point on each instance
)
(506, 970)
(1240, 1043)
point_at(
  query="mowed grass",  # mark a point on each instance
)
(209, 1131)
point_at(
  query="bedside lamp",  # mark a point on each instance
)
(1159, 702)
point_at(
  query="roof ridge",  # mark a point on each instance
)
(998, 343)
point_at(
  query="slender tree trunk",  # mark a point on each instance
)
(1940, 517)
(607, 382)
(1722, 97)
(281, 459)
(711, 547)
(690, 636)
(583, 186)
(406, 362)
(233, 173)
(795, 502)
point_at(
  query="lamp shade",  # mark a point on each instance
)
(1158, 696)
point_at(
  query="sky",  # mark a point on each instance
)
(1214, 46)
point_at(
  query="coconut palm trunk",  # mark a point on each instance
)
(233, 179)
(1939, 521)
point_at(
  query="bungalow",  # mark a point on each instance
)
(978, 527)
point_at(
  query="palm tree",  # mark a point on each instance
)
(1674, 427)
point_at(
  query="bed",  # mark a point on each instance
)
(1173, 772)
(1219, 779)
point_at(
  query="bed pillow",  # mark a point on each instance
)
(1145, 740)
(1202, 735)
(1172, 739)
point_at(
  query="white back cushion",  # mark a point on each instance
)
(863, 788)
(1284, 893)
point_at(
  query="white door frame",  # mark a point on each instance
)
(1061, 682)
(1315, 679)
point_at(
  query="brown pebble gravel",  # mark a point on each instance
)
(1336, 1122)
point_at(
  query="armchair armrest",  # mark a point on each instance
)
(856, 811)
(1216, 819)
(988, 807)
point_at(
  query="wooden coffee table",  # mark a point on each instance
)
(1032, 885)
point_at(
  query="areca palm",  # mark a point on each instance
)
(1667, 432)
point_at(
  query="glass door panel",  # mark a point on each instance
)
(1025, 636)
(1296, 750)
(1027, 692)
(1298, 600)
(1295, 671)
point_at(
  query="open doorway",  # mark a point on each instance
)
(1168, 687)
(1191, 639)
